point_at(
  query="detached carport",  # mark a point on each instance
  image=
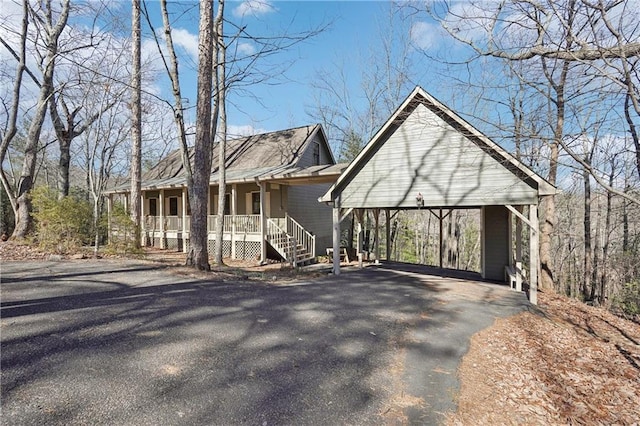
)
(426, 156)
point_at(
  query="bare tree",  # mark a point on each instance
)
(51, 30)
(221, 134)
(10, 128)
(69, 126)
(198, 193)
(136, 122)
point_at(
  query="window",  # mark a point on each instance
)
(153, 206)
(173, 206)
(316, 153)
(255, 203)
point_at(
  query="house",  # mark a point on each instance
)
(273, 181)
(427, 157)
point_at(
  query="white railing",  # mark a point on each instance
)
(249, 224)
(246, 224)
(302, 236)
(281, 241)
(152, 223)
(173, 223)
(286, 235)
(212, 222)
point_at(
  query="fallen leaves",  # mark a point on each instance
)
(569, 363)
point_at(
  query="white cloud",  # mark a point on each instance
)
(247, 49)
(253, 7)
(424, 35)
(235, 131)
(186, 40)
(471, 21)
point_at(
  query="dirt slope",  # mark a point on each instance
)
(568, 363)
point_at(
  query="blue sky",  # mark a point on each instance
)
(284, 100)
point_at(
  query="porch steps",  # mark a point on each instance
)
(283, 242)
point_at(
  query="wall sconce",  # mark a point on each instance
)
(419, 200)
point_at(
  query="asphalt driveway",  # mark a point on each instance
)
(117, 342)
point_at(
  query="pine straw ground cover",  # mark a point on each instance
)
(568, 363)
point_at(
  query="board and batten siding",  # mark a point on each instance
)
(315, 217)
(496, 241)
(427, 155)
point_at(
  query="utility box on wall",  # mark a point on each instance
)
(496, 242)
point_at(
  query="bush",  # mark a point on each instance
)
(628, 300)
(62, 225)
(122, 232)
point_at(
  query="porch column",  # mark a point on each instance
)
(518, 251)
(336, 240)
(184, 220)
(162, 236)
(234, 212)
(208, 206)
(534, 253)
(109, 213)
(263, 223)
(142, 224)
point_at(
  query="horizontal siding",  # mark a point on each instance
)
(307, 160)
(315, 217)
(427, 155)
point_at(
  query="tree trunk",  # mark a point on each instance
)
(220, 78)
(604, 277)
(588, 252)
(23, 213)
(63, 167)
(136, 125)
(198, 255)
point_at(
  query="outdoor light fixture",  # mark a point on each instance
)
(419, 200)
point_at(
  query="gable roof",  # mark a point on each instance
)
(279, 149)
(424, 127)
(283, 156)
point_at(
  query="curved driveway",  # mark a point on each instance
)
(118, 342)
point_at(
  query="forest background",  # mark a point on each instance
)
(555, 82)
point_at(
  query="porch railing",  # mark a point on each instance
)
(173, 223)
(303, 237)
(283, 229)
(244, 224)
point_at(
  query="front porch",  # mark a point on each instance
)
(256, 236)
(266, 214)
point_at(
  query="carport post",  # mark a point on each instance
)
(518, 251)
(534, 259)
(388, 236)
(376, 215)
(336, 240)
(441, 243)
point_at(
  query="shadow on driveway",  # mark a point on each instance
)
(123, 343)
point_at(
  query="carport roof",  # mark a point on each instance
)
(419, 98)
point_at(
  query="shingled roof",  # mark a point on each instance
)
(273, 156)
(267, 150)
